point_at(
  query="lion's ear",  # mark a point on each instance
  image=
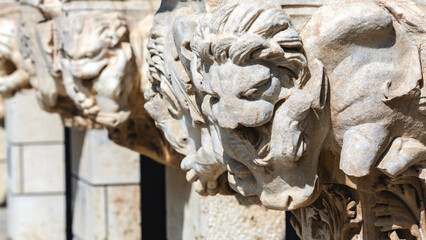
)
(317, 84)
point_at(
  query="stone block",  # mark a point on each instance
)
(27, 122)
(3, 145)
(3, 183)
(43, 168)
(191, 216)
(124, 213)
(89, 219)
(100, 161)
(3, 223)
(36, 217)
(14, 169)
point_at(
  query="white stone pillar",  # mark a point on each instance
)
(36, 199)
(192, 216)
(3, 167)
(106, 188)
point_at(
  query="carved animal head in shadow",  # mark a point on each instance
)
(98, 67)
(259, 94)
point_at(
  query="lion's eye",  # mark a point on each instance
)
(256, 90)
(250, 93)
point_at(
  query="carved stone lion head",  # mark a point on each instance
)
(250, 63)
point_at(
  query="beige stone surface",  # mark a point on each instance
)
(15, 168)
(100, 161)
(3, 183)
(3, 144)
(106, 212)
(124, 212)
(89, 212)
(43, 168)
(3, 223)
(191, 216)
(36, 217)
(34, 124)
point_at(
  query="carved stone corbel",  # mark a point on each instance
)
(13, 77)
(327, 121)
(173, 100)
(101, 57)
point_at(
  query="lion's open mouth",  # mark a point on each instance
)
(258, 137)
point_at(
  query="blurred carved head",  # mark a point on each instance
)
(98, 65)
(13, 77)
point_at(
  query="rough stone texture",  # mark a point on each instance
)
(191, 216)
(124, 212)
(106, 212)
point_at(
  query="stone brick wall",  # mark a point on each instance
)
(35, 146)
(106, 198)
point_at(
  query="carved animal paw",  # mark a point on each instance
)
(87, 104)
(402, 153)
(362, 146)
(203, 173)
(112, 119)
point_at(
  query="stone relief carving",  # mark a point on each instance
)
(101, 63)
(38, 42)
(13, 76)
(54, 62)
(172, 100)
(327, 121)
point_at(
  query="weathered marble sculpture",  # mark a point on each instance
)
(38, 44)
(325, 117)
(327, 121)
(101, 59)
(89, 74)
(172, 99)
(13, 77)
(376, 141)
